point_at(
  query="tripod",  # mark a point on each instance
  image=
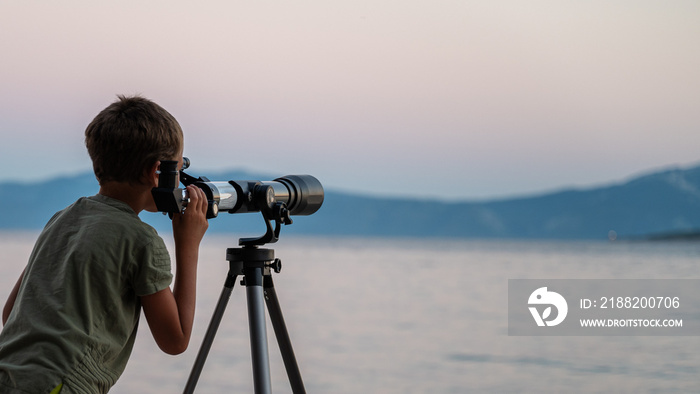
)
(256, 265)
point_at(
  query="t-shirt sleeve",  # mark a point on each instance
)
(153, 272)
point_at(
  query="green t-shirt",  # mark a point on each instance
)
(77, 310)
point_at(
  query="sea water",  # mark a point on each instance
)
(416, 316)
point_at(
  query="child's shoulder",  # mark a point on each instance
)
(101, 217)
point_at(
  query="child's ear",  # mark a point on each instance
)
(152, 174)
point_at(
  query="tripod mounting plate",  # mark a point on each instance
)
(247, 257)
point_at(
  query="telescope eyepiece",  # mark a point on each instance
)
(168, 176)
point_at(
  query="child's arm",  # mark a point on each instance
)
(11, 300)
(170, 314)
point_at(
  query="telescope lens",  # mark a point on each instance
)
(305, 193)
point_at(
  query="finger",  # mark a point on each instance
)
(205, 202)
(192, 197)
(198, 198)
(201, 199)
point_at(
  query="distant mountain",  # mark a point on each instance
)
(657, 204)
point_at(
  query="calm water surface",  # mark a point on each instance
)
(416, 316)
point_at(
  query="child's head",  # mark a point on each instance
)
(128, 137)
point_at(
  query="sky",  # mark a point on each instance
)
(456, 100)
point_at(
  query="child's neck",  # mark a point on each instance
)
(137, 196)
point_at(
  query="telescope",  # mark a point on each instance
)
(277, 200)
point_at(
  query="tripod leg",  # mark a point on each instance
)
(285, 344)
(258, 333)
(211, 332)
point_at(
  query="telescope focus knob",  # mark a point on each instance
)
(212, 209)
(276, 265)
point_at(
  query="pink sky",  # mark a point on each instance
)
(458, 99)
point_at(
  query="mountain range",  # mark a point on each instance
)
(658, 205)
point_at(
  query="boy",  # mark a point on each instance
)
(71, 319)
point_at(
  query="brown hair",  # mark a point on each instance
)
(129, 137)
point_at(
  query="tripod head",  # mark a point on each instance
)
(277, 200)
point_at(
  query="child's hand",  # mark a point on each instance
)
(189, 227)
